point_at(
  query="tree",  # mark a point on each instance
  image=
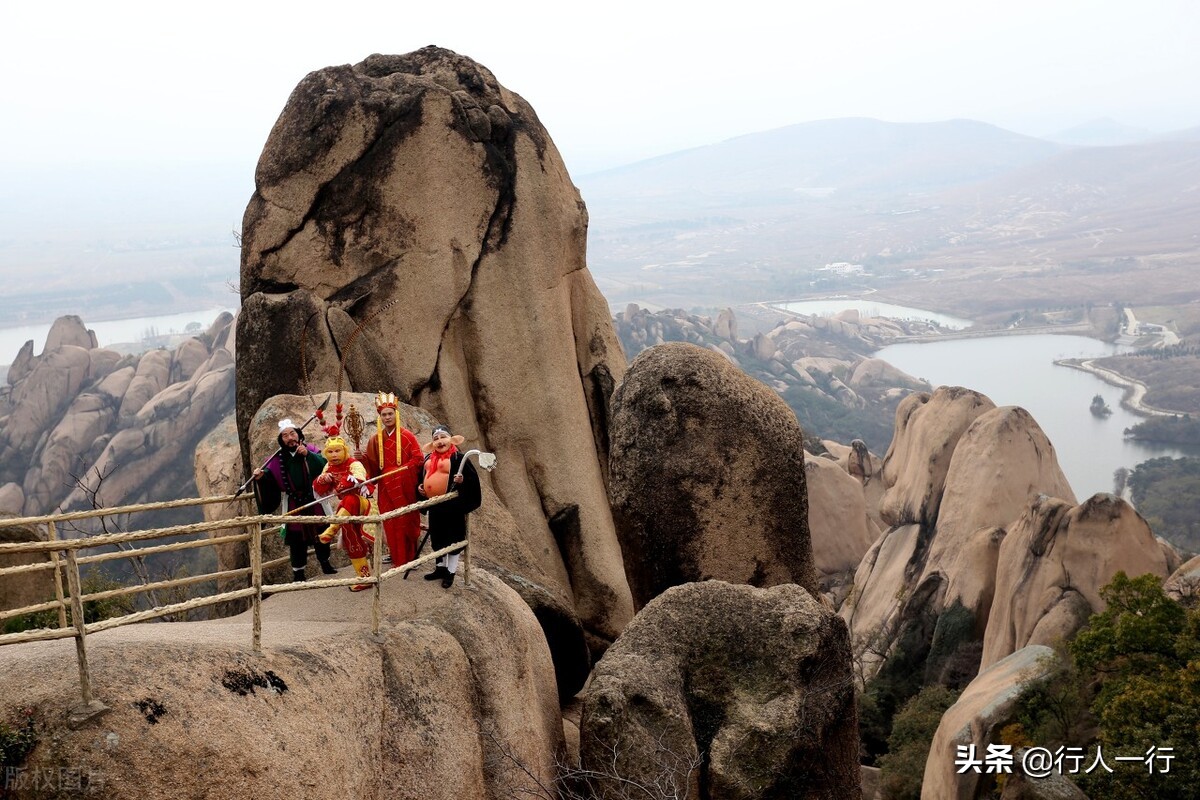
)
(913, 728)
(1120, 480)
(1137, 631)
(1144, 652)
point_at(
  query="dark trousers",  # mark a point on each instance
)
(298, 550)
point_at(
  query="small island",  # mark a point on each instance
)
(1099, 408)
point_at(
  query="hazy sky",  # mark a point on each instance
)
(612, 82)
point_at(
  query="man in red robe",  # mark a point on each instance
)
(394, 453)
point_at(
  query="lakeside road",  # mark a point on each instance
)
(1135, 390)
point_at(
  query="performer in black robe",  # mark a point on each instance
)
(448, 521)
(286, 483)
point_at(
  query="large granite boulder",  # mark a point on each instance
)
(38, 402)
(456, 688)
(967, 480)
(64, 457)
(12, 499)
(842, 531)
(708, 476)
(1053, 563)
(70, 330)
(80, 416)
(1003, 460)
(420, 209)
(21, 589)
(1183, 585)
(984, 707)
(152, 376)
(928, 427)
(726, 691)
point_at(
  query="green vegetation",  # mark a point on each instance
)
(930, 651)
(16, 743)
(1166, 491)
(828, 419)
(1131, 683)
(1172, 430)
(913, 727)
(93, 610)
(1171, 375)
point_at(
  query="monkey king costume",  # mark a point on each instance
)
(397, 456)
(340, 491)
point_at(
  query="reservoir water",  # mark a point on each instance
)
(1020, 371)
(870, 308)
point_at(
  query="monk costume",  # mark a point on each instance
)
(395, 454)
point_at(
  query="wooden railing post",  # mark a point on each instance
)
(256, 582)
(90, 707)
(376, 564)
(52, 535)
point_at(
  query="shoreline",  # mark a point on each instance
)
(1135, 390)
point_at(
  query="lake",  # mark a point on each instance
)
(108, 332)
(829, 306)
(1020, 371)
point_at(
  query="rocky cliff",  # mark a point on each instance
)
(80, 424)
(413, 219)
(820, 365)
(986, 553)
(456, 689)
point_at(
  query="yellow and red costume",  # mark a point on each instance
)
(342, 492)
(397, 456)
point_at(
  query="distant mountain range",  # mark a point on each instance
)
(754, 217)
(1103, 132)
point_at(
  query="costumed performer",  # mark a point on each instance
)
(395, 453)
(341, 490)
(448, 521)
(286, 480)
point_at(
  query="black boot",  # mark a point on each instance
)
(328, 568)
(297, 576)
(437, 574)
(448, 579)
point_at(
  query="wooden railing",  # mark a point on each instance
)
(65, 558)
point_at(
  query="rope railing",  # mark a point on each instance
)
(64, 559)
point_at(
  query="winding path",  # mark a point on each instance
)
(1135, 391)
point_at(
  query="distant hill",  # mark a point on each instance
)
(1103, 132)
(757, 217)
(842, 157)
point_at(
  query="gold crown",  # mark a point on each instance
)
(385, 400)
(335, 441)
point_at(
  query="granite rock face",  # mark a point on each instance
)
(726, 691)
(414, 222)
(959, 472)
(1053, 563)
(84, 424)
(708, 476)
(430, 709)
